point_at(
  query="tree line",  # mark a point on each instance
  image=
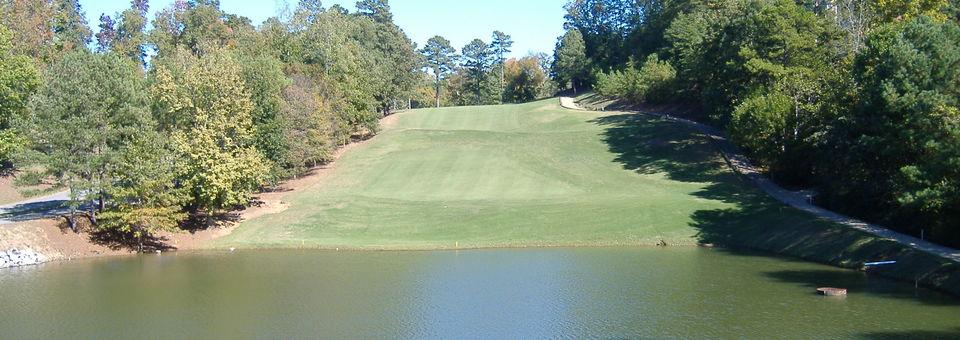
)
(481, 74)
(859, 100)
(154, 126)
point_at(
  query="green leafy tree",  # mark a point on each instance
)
(441, 59)
(308, 124)
(769, 43)
(571, 67)
(131, 37)
(394, 61)
(689, 38)
(306, 13)
(89, 110)
(31, 22)
(45, 29)
(145, 196)
(265, 81)
(605, 27)
(198, 26)
(19, 80)
(526, 80)
(70, 27)
(897, 10)
(761, 125)
(652, 82)
(207, 112)
(901, 146)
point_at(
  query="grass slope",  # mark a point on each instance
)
(540, 175)
(515, 175)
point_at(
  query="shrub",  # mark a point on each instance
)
(759, 125)
(653, 82)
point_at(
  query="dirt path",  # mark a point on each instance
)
(800, 200)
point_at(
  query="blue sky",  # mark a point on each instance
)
(534, 24)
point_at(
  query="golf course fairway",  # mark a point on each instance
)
(533, 174)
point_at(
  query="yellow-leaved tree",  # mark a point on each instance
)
(206, 110)
(899, 10)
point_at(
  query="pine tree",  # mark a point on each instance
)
(440, 58)
(89, 110)
(500, 45)
(477, 60)
(571, 67)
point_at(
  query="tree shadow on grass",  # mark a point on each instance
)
(39, 210)
(763, 224)
(117, 240)
(859, 283)
(918, 334)
(649, 145)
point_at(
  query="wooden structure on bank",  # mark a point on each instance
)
(830, 291)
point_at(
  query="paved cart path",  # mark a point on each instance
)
(796, 199)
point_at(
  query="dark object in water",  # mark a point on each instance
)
(829, 291)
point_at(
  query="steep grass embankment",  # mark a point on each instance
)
(539, 175)
(757, 223)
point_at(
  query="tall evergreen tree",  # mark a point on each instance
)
(500, 45)
(571, 67)
(107, 33)
(378, 10)
(440, 58)
(477, 60)
(901, 146)
(90, 109)
(70, 27)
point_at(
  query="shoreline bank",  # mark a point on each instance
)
(849, 244)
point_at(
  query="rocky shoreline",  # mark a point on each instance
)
(21, 257)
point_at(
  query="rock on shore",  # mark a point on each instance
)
(20, 257)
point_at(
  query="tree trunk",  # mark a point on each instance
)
(438, 91)
(93, 217)
(502, 70)
(71, 222)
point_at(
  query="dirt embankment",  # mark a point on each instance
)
(52, 239)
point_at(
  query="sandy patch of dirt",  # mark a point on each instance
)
(46, 237)
(9, 193)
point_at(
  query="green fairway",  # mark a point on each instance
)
(519, 175)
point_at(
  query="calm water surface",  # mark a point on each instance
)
(514, 294)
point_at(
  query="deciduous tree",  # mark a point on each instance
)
(19, 80)
(208, 114)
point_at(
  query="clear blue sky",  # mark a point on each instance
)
(534, 24)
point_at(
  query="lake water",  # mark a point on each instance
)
(506, 294)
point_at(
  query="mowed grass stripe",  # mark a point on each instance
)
(512, 175)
